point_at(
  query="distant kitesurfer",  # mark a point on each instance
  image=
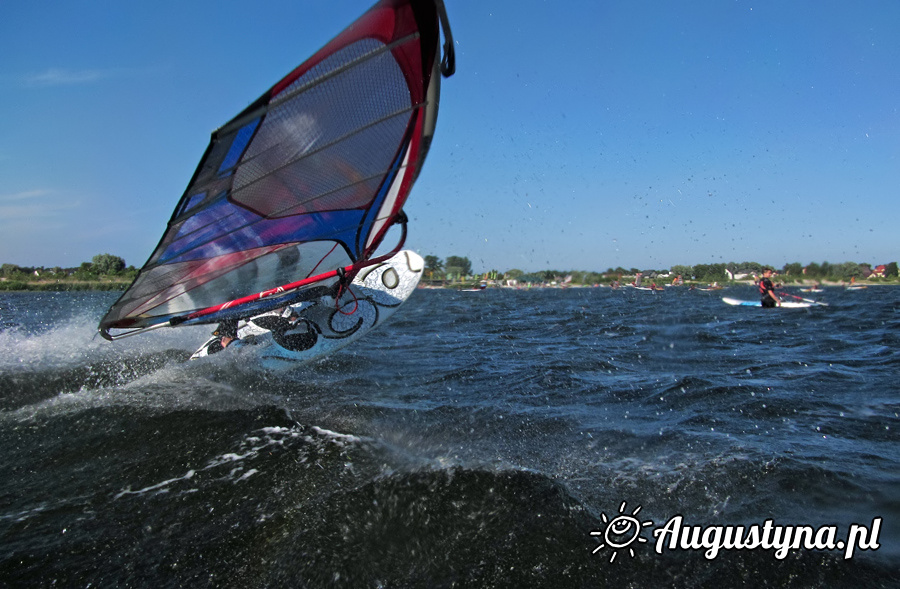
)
(767, 290)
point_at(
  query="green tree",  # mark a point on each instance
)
(865, 269)
(10, 270)
(795, 269)
(433, 265)
(454, 272)
(105, 264)
(551, 275)
(710, 272)
(890, 270)
(85, 272)
(683, 270)
(462, 266)
(532, 278)
(847, 270)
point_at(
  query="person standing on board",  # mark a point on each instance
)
(767, 290)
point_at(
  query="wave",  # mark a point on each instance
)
(481, 455)
(252, 498)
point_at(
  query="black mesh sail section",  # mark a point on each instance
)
(329, 144)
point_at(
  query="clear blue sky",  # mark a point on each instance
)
(575, 135)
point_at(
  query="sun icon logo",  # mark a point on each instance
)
(621, 532)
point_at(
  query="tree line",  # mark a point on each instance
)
(791, 271)
(456, 268)
(103, 268)
(453, 268)
(110, 269)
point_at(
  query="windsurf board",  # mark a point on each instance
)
(307, 331)
(784, 304)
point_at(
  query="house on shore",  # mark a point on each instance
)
(738, 275)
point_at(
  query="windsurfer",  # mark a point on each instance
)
(767, 290)
(227, 334)
(283, 323)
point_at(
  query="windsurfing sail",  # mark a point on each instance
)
(297, 191)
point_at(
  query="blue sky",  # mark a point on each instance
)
(575, 135)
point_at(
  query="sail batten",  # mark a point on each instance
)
(306, 180)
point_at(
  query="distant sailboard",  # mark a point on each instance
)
(295, 194)
(785, 304)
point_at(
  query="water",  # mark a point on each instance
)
(476, 440)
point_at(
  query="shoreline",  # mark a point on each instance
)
(63, 286)
(116, 285)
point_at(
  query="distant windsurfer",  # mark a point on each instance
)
(767, 290)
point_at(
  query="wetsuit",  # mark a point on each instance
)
(765, 287)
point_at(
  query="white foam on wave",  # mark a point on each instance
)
(252, 446)
(172, 387)
(75, 341)
(67, 343)
(336, 436)
(150, 370)
(160, 487)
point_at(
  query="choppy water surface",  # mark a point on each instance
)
(476, 440)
